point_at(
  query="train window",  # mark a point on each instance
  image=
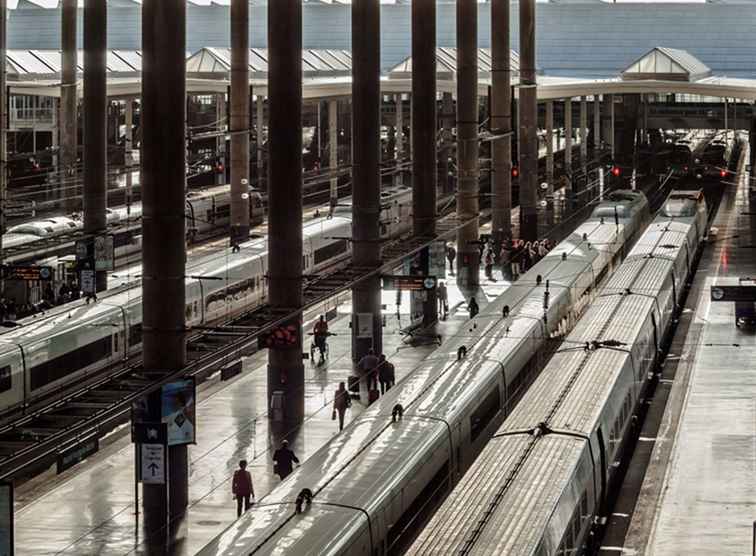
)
(418, 511)
(69, 363)
(5, 378)
(484, 413)
(331, 250)
(135, 334)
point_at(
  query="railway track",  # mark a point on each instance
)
(94, 407)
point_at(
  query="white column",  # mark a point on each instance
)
(550, 146)
(333, 147)
(583, 133)
(260, 102)
(568, 135)
(597, 122)
(399, 136)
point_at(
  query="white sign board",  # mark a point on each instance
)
(153, 463)
(88, 281)
(364, 325)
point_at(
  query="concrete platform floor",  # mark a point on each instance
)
(698, 495)
(90, 509)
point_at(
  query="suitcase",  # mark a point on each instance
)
(373, 396)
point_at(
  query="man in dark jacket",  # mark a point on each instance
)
(241, 488)
(283, 459)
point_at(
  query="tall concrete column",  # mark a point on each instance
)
(3, 122)
(221, 117)
(333, 148)
(366, 152)
(239, 120)
(447, 138)
(568, 135)
(550, 146)
(467, 142)
(95, 123)
(424, 166)
(399, 137)
(752, 142)
(129, 149)
(285, 369)
(501, 121)
(583, 134)
(163, 116)
(68, 108)
(528, 123)
(612, 130)
(260, 105)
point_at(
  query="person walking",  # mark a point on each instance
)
(473, 307)
(341, 401)
(443, 299)
(385, 374)
(489, 262)
(451, 254)
(542, 251)
(283, 459)
(241, 488)
(516, 259)
(369, 366)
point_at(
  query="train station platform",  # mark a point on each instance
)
(90, 509)
(698, 495)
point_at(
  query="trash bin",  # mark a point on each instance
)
(277, 406)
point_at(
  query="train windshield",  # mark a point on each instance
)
(676, 208)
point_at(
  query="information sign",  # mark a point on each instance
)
(411, 283)
(28, 273)
(733, 293)
(76, 454)
(104, 252)
(153, 464)
(88, 281)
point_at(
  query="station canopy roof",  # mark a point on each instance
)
(667, 64)
(210, 62)
(446, 64)
(46, 64)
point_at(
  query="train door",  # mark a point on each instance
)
(604, 469)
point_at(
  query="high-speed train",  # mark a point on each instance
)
(206, 210)
(44, 352)
(379, 478)
(542, 482)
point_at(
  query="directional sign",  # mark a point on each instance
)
(88, 281)
(411, 283)
(733, 293)
(153, 464)
(28, 273)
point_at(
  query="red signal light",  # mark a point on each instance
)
(219, 169)
(515, 171)
(722, 173)
(616, 171)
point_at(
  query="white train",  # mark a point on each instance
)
(45, 352)
(543, 480)
(379, 478)
(206, 210)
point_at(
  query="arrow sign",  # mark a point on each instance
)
(153, 464)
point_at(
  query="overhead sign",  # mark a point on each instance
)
(30, 273)
(734, 293)
(179, 411)
(76, 454)
(152, 464)
(6, 520)
(411, 283)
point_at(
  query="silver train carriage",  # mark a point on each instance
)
(541, 483)
(381, 476)
(47, 351)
